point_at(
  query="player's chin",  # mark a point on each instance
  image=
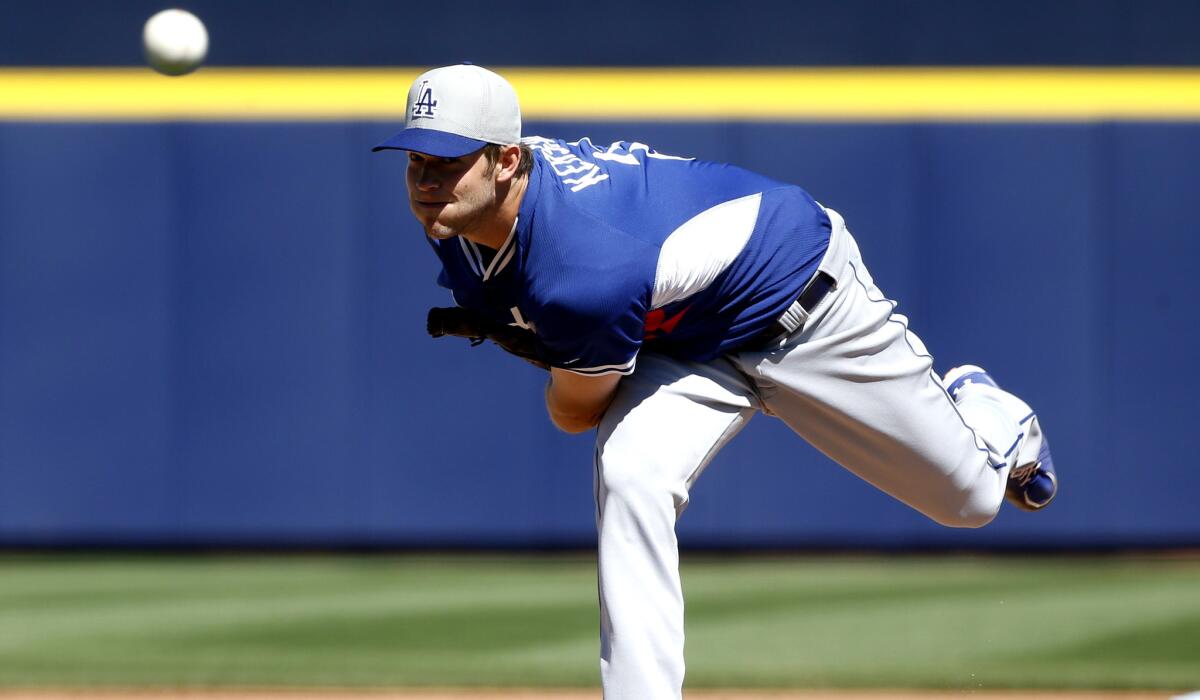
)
(433, 227)
(439, 232)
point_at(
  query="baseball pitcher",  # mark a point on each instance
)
(670, 299)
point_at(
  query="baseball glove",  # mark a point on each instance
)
(465, 323)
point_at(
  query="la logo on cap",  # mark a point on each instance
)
(472, 107)
(425, 104)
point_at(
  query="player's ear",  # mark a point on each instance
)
(507, 164)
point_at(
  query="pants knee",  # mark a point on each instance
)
(638, 483)
(631, 482)
(971, 511)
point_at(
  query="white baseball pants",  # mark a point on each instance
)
(854, 382)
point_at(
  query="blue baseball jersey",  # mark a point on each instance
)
(618, 247)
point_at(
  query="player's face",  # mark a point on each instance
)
(451, 196)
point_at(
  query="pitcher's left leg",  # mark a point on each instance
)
(859, 386)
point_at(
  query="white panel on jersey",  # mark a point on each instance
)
(696, 252)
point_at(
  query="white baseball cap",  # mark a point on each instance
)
(455, 110)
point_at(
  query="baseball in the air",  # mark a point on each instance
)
(175, 42)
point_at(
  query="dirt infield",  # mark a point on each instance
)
(540, 694)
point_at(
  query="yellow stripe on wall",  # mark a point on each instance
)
(634, 94)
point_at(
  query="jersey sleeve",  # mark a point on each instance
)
(591, 286)
(593, 344)
(591, 318)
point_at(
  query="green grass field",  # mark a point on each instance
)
(954, 622)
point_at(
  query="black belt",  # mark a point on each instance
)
(817, 288)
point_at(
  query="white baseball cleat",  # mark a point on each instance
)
(1032, 484)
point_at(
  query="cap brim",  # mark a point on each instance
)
(431, 142)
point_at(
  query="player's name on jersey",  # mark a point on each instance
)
(580, 174)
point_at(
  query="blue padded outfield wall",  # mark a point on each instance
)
(212, 332)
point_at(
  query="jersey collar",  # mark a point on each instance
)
(499, 261)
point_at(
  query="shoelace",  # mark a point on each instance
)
(1025, 473)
